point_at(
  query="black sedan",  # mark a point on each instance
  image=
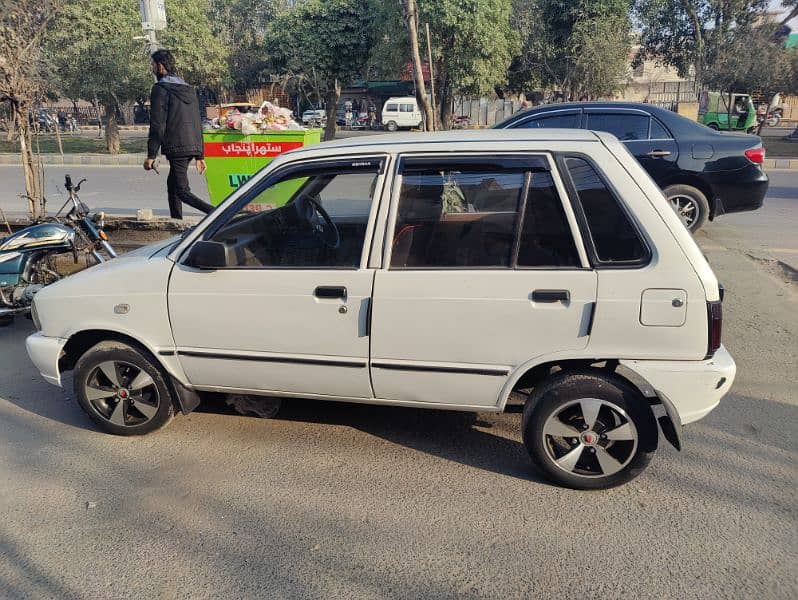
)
(703, 173)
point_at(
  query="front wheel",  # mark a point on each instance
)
(589, 431)
(122, 389)
(391, 126)
(690, 204)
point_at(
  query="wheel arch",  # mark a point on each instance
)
(695, 181)
(537, 372)
(81, 341)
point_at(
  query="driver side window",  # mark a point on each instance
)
(315, 218)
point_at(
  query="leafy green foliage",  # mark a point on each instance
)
(472, 41)
(579, 47)
(92, 45)
(692, 34)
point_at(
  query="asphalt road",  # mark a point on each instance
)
(351, 501)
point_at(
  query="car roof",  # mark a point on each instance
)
(460, 136)
(677, 123)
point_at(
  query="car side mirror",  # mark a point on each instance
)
(205, 254)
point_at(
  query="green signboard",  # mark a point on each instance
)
(233, 158)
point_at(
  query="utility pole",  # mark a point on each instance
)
(153, 18)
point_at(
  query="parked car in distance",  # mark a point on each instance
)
(453, 270)
(317, 115)
(401, 112)
(703, 173)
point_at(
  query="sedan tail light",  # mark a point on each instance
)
(756, 155)
(715, 326)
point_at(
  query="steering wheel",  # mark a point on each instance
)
(313, 213)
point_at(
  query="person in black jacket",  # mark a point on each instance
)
(175, 128)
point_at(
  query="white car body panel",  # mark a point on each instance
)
(479, 331)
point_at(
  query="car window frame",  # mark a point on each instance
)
(519, 124)
(353, 162)
(664, 128)
(620, 112)
(475, 157)
(573, 195)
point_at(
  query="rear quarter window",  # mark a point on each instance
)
(614, 237)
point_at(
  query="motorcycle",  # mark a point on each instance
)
(773, 117)
(28, 257)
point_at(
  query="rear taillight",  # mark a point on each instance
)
(756, 155)
(715, 323)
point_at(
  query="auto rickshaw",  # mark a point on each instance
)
(727, 111)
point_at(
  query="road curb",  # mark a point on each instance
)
(80, 159)
(781, 163)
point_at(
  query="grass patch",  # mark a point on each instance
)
(780, 148)
(77, 145)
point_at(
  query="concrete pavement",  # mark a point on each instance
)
(349, 501)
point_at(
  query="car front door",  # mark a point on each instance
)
(645, 137)
(483, 274)
(289, 311)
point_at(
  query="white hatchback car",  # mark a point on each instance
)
(450, 270)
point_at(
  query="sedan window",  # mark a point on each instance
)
(567, 121)
(658, 131)
(625, 127)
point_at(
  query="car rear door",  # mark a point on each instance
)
(643, 134)
(483, 274)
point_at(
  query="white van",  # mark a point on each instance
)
(401, 113)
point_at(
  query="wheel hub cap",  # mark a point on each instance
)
(589, 438)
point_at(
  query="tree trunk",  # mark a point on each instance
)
(112, 142)
(32, 183)
(444, 99)
(333, 95)
(409, 10)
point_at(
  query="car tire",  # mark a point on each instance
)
(123, 389)
(714, 126)
(391, 126)
(690, 204)
(6, 320)
(614, 449)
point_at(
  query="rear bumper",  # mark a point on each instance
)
(692, 388)
(44, 352)
(738, 191)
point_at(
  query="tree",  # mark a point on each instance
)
(755, 59)
(578, 47)
(96, 55)
(327, 42)
(410, 17)
(243, 27)
(473, 44)
(691, 34)
(24, 76)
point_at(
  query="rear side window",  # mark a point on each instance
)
(658, 132)
(391, 107)
(613, 235)
(567, 121)
(405, 108)
(626, 128)
(457, 219)
(546, 239)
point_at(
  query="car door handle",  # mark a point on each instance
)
(330, 292)
(658, 153)
(551, 296)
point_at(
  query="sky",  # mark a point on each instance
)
(776, 5)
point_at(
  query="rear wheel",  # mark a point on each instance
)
(122, 389)
(589, 431)
(690, 204)
(713, 126)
